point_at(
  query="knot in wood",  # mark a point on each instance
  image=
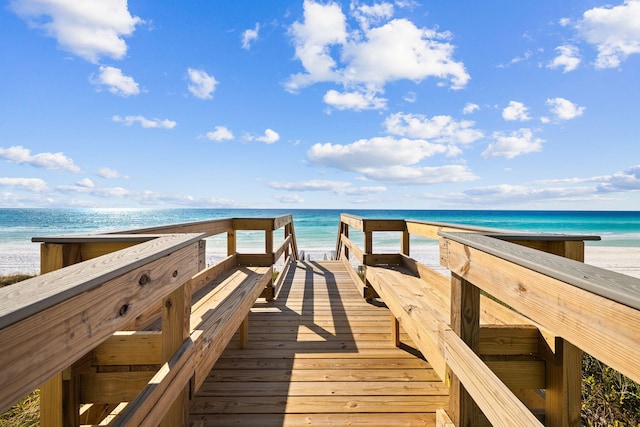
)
(144, 279)
(168, 303)
(123, 310)
(175, 273)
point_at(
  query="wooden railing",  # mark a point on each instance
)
(94, 286)
(542, 286)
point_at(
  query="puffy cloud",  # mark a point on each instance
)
(145, 123)
(89, 28)
(513, 144)
(116, 82)
(270, 137)
(515, 111)
(614, 31)
(109, 173)
(249, 36)
(376, 152)
(21, 155)
(368, 15)
(220, 133)
(564, 109)
(470, 108)
(35, 185)
(372, 56)
(568, 58)
(354, 101)
(442, 129)
(390, 160)
(201, 84)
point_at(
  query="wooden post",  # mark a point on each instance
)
(395, 330)
(404, 241)
(345, 231)
(59, 397)
(465, 321)
(564, 362)
(231, 242)
(268, 242)
(176, 312)
(564, 379)
(287, 233)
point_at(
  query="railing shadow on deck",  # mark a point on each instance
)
(60, 330)
(541, 285)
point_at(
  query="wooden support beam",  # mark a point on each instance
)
(465, 322)
(176, 314)
(564, 382)
(395, 331)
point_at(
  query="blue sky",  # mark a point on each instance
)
(320, 104)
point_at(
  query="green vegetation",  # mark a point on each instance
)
(608, 397)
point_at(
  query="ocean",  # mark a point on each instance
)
(316, 229)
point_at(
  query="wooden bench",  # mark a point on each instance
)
(126, 367)
(419, 301)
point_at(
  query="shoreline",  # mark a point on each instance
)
(17, 259)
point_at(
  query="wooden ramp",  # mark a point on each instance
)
(319, 355)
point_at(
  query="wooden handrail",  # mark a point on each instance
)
(130, 273)
(522, 283)
(595, 309)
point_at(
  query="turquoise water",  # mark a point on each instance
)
(315, 229)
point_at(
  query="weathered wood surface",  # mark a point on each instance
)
(319, 354)
(76, 320)
(597, 310)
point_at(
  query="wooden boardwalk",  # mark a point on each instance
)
(319, 355)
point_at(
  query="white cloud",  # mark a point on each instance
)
(88, 28)
(426, 175)
(85, 182)
(21, 155)
(270, 137)
(336, 187)
(376, 152)
(221, 133)
(35, 185)
(368, 58)
(513, 144)
(470, 108)
(442, 129)
(368, 15)
(354, 101)
(390, 160)
(145, 123)
(289, 198)
(515, 111)
(249, 36)
(614, 31)
(116, 82)
(564, 109)
(568, 58)
(202, 85)
(628, 180)
(109, 173)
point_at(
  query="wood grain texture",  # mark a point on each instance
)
(319, 354)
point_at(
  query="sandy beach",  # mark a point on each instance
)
(626, 260)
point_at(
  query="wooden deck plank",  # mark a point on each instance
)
(319, 355)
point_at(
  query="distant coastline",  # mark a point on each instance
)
(316, 230)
